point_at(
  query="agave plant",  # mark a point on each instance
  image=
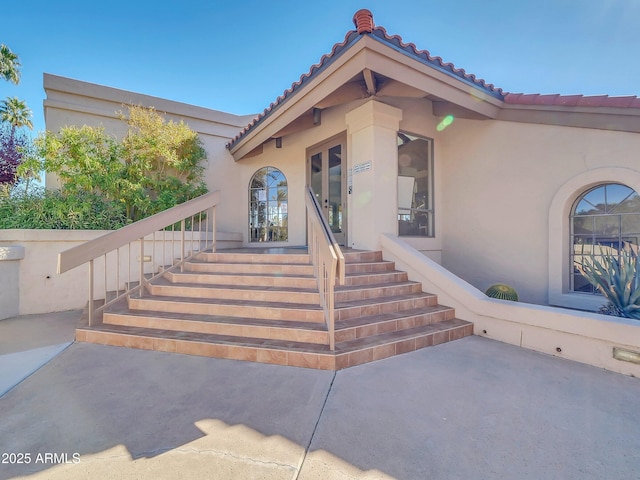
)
(616, 276)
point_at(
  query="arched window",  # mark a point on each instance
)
(268, 202)
(604, 220)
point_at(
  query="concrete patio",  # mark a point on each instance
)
(470, 409)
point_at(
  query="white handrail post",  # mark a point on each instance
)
(102, 246)
(182, 254)
(213, 229)
(325, 256)
(90, 293)
(332, 325)
(141, 266)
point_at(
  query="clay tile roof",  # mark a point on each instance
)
(363, 21)
(326, 60)
(436, 62)
(572, 100)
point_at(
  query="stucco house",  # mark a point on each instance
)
(397, 144)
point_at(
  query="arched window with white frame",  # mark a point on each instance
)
(268, 206)
(604, 220)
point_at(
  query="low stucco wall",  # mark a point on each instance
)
(37, 288)
(580, 336)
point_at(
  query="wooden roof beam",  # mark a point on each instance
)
(370, 81)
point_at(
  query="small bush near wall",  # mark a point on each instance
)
(51, 209)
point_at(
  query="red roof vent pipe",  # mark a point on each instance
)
(363, 20)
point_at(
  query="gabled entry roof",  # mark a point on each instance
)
(370, 62)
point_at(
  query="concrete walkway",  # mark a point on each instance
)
(471, 409)
(31, 341)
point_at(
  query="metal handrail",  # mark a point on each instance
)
(93, 249)
(187, 215)
(327, 260)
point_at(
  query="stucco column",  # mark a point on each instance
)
(373, 172)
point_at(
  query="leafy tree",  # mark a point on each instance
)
(86, 159)
(15, 113)
(163, 162)
(13, 147)
(9, 65)
(156, 166)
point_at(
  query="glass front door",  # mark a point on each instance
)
(327, 180)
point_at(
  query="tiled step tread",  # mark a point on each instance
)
(122, 309)
(356, 256)
(384, 317)
(252, 275)
(386, 299)
(389, 337)
(288, 305)
(165, 282)
(344, 347)
(368, 274)
(215, 301)
(257, 268)
(246, 262)
(212, 338)
(353, 288)
(374, 262)
(389, 273)
(241, 321)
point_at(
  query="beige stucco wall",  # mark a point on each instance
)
(72, 102)
(416, 118)
(495, 181)
(291, 159)
(498, 182)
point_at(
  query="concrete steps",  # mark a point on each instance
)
(264, 307)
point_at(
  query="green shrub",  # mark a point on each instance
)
(51, 209)
(616, 277)
(502, 292)
(157, 165)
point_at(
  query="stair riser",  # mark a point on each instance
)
(270, 313)
(251, 269)
(235, 294)
(254, 258)
(391, 349)
(205, 310)
(360, 257)
(377, 292)
(376, 278)
(393, 325)
(245, 280)
(218, 328)
(345, 313)
(275, 356)
(369, 267)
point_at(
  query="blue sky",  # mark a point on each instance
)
(239, 56)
